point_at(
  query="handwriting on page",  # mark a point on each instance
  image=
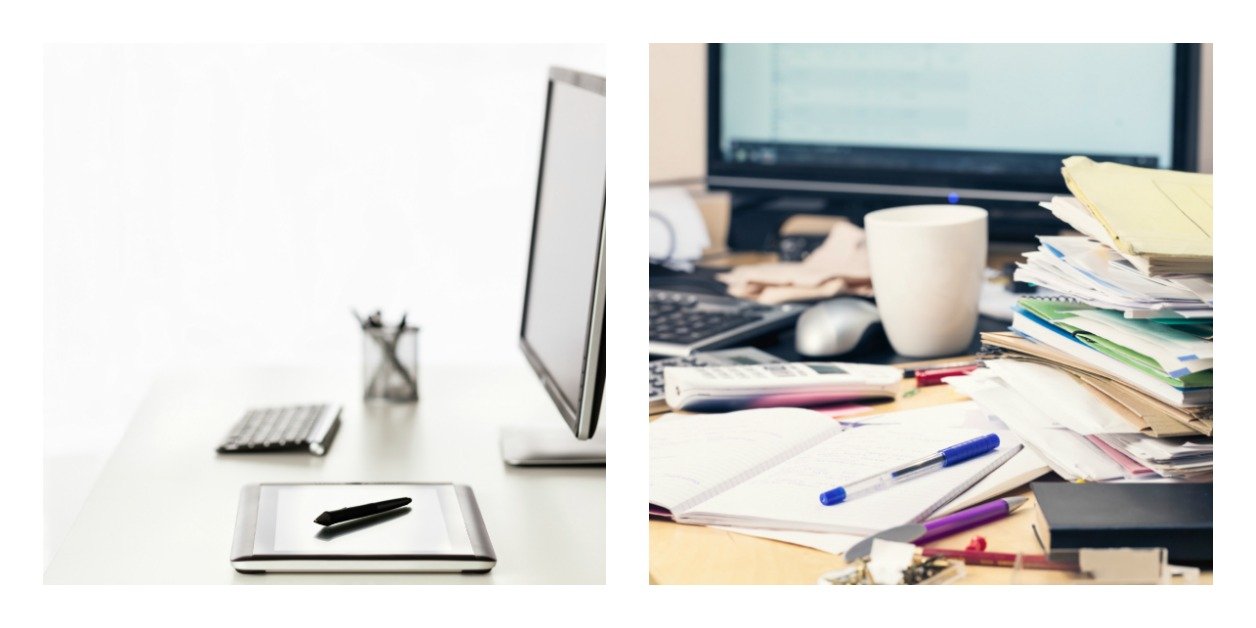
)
(689, 454)
(790, 491)
(860, 453)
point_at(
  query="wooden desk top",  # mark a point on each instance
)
(688, 554)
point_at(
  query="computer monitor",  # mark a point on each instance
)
(850, 128)
(562, 334)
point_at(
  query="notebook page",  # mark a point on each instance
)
(831, 542)
(788, 494)
(1025, 467)
(694, 455)
(1018, 471)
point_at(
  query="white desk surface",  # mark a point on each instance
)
(163, 509)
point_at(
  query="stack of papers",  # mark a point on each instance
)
(1170, 362)
(1112, 379)
(1163, 418)
(1171, 458)
(1094, 273)
(1146, 244)
(1160, 220)
(1078, 431)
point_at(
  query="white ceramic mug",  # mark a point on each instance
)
(927, 263)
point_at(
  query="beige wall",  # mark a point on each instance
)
(678, 111)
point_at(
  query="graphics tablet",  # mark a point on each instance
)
(439, 531)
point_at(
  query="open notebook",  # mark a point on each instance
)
(766, 469)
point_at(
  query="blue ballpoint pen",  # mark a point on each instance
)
(949, 456)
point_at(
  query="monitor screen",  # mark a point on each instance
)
(957, 122)
(1100, 99)
(563, 313)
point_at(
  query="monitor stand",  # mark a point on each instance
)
(551, 446)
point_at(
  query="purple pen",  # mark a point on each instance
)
(968, 518)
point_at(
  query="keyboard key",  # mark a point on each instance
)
(274, 429)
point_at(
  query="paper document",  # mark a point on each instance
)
(1177, 353)
(1085, 454)
(1060, 395)
(1161, 387)
(1155, 412)
(1069, 454)
(1095, 274)
(1133, 342)
(1162, 215)
(1171, 458)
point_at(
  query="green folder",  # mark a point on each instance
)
(1053, 311)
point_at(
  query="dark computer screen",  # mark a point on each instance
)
(944, 122)
(561, 318)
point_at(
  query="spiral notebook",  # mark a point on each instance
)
(766, 469)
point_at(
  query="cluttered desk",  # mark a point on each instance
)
(871, 403)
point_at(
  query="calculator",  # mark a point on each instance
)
(306, 428)
(727, 357)
(793, 384)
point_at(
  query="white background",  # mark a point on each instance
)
(627, 27)
(225, 205)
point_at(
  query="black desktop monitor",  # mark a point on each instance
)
(564, 309)
(850, 128)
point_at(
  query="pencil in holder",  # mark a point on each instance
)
(390, 363)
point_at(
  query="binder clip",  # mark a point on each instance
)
(892, 562)
(922, 570)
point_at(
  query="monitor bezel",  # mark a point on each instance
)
(722, 174)
(582, 417)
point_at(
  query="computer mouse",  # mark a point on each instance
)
(836, 327)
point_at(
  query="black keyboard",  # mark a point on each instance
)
(681, 323)
(285, 428)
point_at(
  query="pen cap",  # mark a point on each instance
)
(969, 449)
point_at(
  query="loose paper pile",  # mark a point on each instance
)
(1159, 220)
(1095, 274)
(1113, 380)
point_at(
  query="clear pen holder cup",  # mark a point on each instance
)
(390, 364)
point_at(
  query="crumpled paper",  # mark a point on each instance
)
(888, 560)
(839, 266)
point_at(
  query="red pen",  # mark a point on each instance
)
(934, 377)
(999, 559)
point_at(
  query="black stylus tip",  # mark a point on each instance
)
(323, 519)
